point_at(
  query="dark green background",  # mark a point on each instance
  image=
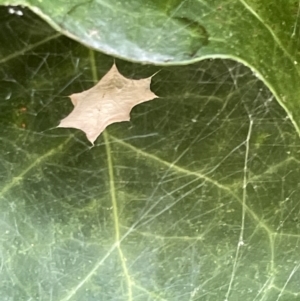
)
(196, 198)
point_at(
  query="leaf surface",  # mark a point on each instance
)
(196, 198)
(263, 35)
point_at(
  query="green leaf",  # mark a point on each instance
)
(263, 35)
(197, 198)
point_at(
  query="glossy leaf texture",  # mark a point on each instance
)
(196, 198)
(263, 35)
